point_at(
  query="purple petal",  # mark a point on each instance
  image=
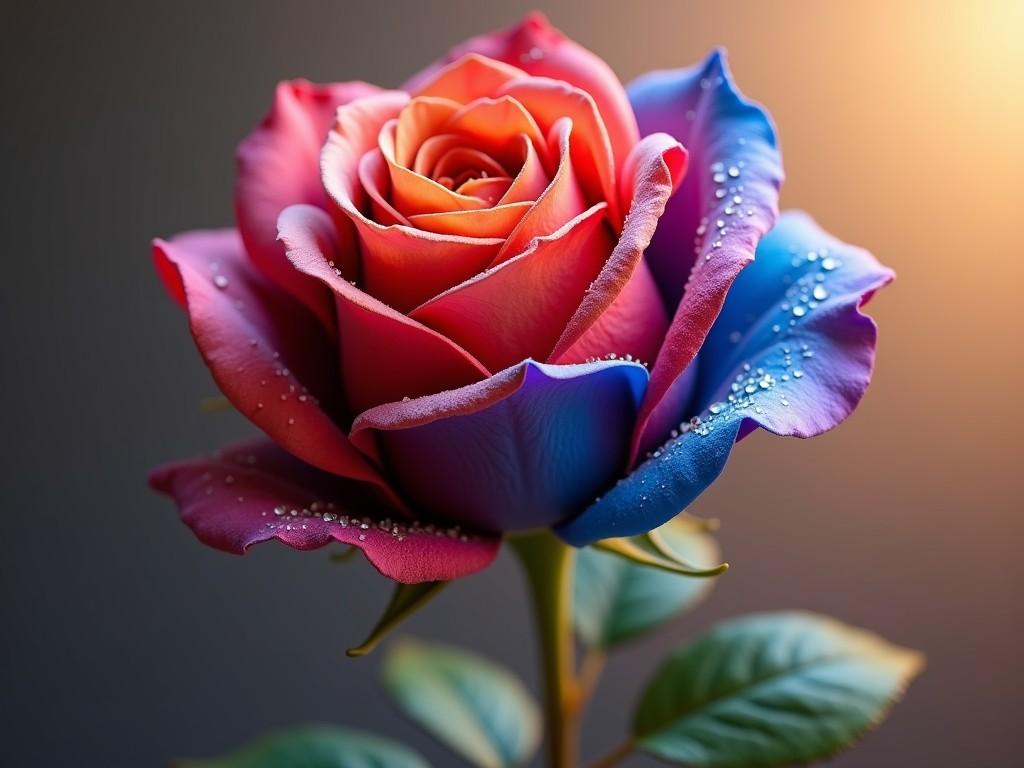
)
(790, 352)
(528, 447)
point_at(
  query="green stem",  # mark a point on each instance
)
(548, 564)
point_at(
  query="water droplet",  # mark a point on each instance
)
(220, 281)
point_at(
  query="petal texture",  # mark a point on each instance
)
(711, 228)
(528, 447)
(269, 356)
(278, 166)
(541, 50)
(790, 352)
(384, 354)
(653, 172)
(256, 492)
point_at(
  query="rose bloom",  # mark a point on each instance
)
(510, 295)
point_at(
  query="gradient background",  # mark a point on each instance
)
(126, 643)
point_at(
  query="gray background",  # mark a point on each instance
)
(126, 643)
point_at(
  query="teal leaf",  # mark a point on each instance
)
(475, 707)
(616, 599)
(316, 747)
(772, 689)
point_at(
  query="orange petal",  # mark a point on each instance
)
(560, 202)
(550, 100)
(520, 309)
(469, 78)
(495, 123)
(487, 222)
(459, 160)
(491, 189)
(412, 193)
(373, 175)
(420, 119)
(401, 266)
(532, 179)
(433, 149)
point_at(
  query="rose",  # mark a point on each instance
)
(475, 306)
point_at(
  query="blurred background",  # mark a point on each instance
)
(126, 643)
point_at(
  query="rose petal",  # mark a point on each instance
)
(790, 352)
(278, 165)
(550, 100)
(419, 120)
(540, 49)
(528, 447)
(561, 202)
(520, 308)
(735, 176)
(632, 327)
(256, 492)
(494, 123)
(412, 193)
(401, 265)
(268, 355)
(384, 354)
(467, 78)
(489, 222)
(653, 172)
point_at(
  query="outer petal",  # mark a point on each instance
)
(711, 228)
(653, 172)
(268, 355)
(528, 447)
(384, 354)
(791, 352)
(520, 308)
(540, 49)
(278, 166)
(255, 492)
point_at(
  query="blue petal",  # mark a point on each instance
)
(711, 227)
(528, 447)
(733, 152)
(790, 352)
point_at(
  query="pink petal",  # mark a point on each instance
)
(653, 172)
(279, 165)
(269, 356)
(256, 492)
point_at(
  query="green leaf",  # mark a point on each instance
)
(478, 709)
(405, 601)
(316, 747)
(616, 599)
(772, 689)
(658, 548)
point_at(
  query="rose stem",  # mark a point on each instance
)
(548, 564)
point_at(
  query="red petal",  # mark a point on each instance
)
(385, 355)
(270, 357)
(520, 308)
(256, 492)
